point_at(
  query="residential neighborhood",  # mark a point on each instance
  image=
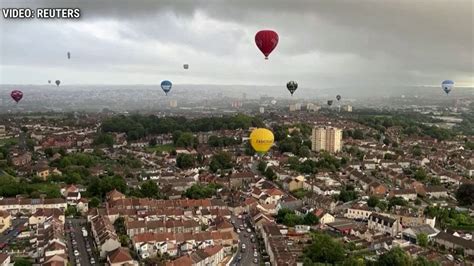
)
(100, 191)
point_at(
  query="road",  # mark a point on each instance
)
(5, 238)
(247, 257)
(84, 256)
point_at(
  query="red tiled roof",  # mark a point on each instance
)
(120, 255)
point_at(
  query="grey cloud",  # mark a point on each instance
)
(417, 42)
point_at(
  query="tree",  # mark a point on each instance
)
(416, 151)
(184, 161)
(324, 249)
(221, 161)
(22, 262)
(94, 202)
(199, 191)
(420, 174)
(149, 189)
(71, 211)
(347, 194)
(397, 201)
(358, 134)
(262, 166)
(395, 257)
(152, 142)
(310, 219)
(422, 239)
(270, 174)
(422, 261)
(186, 140)
(373, 201)
(119, 226)
(104, 139)
(465, 194)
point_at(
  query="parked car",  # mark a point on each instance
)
(76, 253)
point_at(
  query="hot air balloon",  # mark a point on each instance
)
(49, 81)
(16, 95)
(338, 97)
(166, 86)
(330, 102)
(266, 41)
(292, 86)
(68, 55)
(273, 101)
(447, 86)
(185, 66)
(261, 140)
(58, 82)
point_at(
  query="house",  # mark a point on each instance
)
(289, 202)
(321, 201)
(41, 215)
(452, 242)
(5, 259)
(42, 170)
(294, 183)
(240, 178)
(324, 217)
(358, 211)
(20, 159)
(385, 224)
(436, 192)
(406, 194)
(104, 234)
(411, 233)
(210, 256)
(114, 195)
(120, 257)
(5, 221)
(377, 189)
(14, 205)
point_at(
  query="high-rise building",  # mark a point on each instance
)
(347, 108)
(312, 107)
(261, 110)
(173, 103)
(295, 107)
(326, 139)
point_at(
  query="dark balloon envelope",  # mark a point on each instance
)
(166, 86)
(338, 97)
(57, 82)
(266, 41)
(447, 86)
(330, 102)
(292, 86)
(16, 95)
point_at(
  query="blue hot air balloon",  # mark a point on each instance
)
(166, 86)
(447, 86)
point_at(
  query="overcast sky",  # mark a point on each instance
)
(322, 43)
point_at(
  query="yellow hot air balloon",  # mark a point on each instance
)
(261, 140)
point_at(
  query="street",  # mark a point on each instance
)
(76, 241)
(247, 257)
